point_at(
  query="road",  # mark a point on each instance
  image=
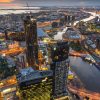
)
(93, 15)
(88, 74)
(13, 51)
(85, 93)
(59, 35)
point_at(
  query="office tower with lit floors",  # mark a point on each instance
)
(35, 84)
(59, 67)
(31, 41)
(69, 19)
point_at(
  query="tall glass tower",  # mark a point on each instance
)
(60, 69)
(31, 41)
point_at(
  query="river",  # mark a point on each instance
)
(88, 74)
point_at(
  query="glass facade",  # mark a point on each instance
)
(41, 90)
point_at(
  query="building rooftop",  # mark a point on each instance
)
(72, 34)
(29, 74)
(41, 33)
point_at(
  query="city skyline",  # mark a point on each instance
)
(49, 49)
(22, 3)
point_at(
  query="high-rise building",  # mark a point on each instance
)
(69, 19)
(98, 43)
(73, 18)
(21, 61)
(35, 85)
(31, 41)
(60, 69)
(6, 34)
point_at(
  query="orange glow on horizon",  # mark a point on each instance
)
(8, 4)
(5, 1)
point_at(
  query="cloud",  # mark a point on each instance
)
(8, 5)
(5, 1)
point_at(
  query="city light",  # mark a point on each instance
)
(49, 50)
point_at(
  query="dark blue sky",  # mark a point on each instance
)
(61, 2)
(15, 3)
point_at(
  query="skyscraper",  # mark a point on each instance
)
(98, 43)
(6, 35)
(31, 41)
(69, 19)
(60, 69)
(35, 85)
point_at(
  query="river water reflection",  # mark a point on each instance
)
(88, 74)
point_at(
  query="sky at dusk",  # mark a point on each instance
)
(21, 3)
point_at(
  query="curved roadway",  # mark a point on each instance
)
(58, 36)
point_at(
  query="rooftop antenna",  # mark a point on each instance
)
(50, 15)
(28, 7)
